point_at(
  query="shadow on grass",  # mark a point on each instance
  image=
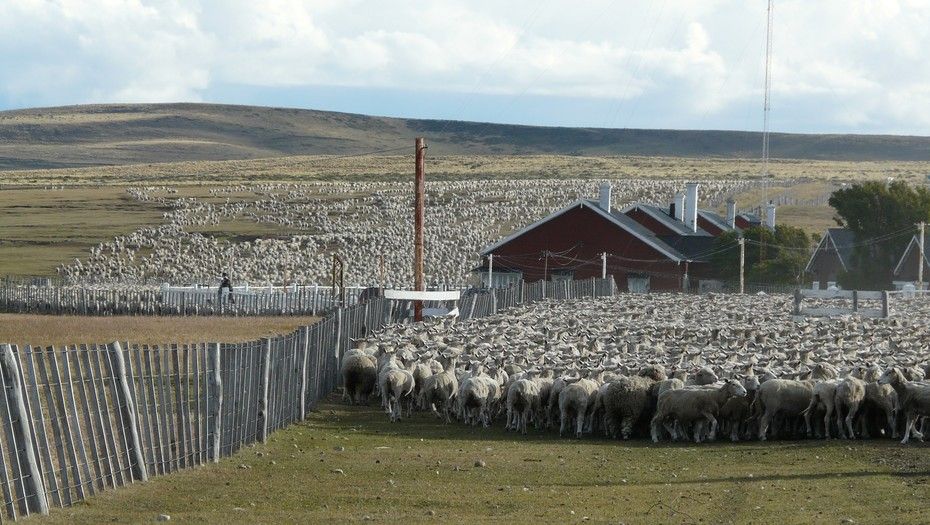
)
(839, 476)
(370, 420)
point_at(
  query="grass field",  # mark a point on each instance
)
(64, 330)
(43, 228)
(348, 464)
(462, 167)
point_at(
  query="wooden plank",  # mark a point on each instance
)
(14, 488)
(68, 445)
(78, 431)
(265, 363)
(216, 401)
(89, 401)
(179, 408)
(38, 418)
(103, 411)
(142, 404)
(5, 480)
(189, 440)
(20, 434)
(117, 414)
(165, 412)
(58, 436)
(155, 427)
(197, 352)
(130, 426)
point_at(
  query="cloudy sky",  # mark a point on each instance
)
(839, 65)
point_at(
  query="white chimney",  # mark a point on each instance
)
(731, 213)
(691, 205)
(770, 216)
(679, 206)
(604, 197)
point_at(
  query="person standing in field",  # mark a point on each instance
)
(225, 283)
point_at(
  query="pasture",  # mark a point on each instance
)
(281, 233)
(423, 471)
(45, 330)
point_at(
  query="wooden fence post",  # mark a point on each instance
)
(855, 300)
(130, 421)
(305, 348)
(216, 401)
(37, 500)
(262, 418)
(886, 306)
(797, 301)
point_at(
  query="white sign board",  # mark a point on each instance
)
(410, 295)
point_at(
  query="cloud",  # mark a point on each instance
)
(700, 62)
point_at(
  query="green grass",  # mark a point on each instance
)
(42, 228)
(421, 471)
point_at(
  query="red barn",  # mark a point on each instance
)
(571, 243)
(643, 246)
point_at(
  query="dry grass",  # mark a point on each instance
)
(462, 167)
(43, 330)
(42, 228)
(422, 471)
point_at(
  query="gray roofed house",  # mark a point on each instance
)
(832, 256)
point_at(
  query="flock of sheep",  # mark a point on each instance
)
(658, 366)
(368, 224)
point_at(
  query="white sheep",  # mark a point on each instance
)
(913, 400)
(691, 405)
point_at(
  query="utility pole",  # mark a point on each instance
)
(742, 265)
(491, 271)
(545, 272)
(604, 265)
(920, 263)
(418, 218)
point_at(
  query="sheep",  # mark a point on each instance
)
(440, 389)
(522, 403)
(781, 397)
(627, 401)
(397, 389)
(823, 395)
(879, 410)
(735, 413)
(576, 399)
(850, 393)
(691, 404)
(704, 376)
(359, 376)
(913, 400)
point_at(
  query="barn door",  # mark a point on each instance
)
(638, 284)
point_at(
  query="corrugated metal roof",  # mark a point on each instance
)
(715, 219)
(667, 220)
(617, 217)
(695, 247)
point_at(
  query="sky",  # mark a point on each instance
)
(852, 66)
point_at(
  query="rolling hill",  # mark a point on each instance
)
(116, 134)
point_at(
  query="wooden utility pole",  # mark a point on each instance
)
(419, 283)
(920, 263)
(742, 265)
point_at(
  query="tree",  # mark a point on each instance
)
(775, 257)
(882, 218)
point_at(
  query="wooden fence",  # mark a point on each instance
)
(480, 303)
(20, 297)
(833, 303)
(81, 419)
